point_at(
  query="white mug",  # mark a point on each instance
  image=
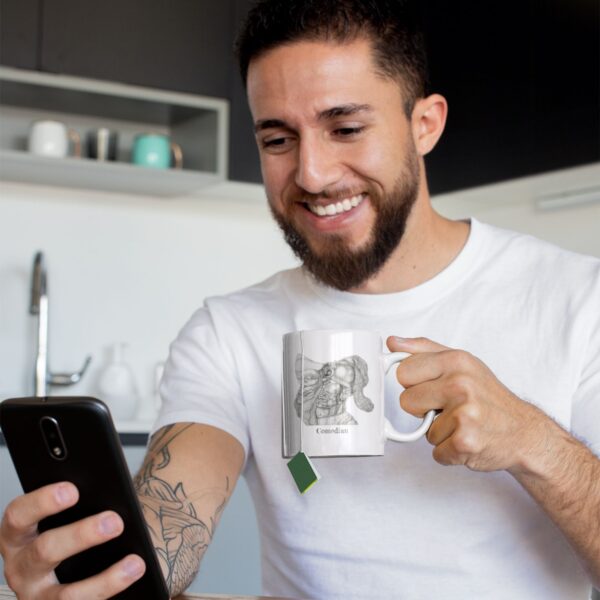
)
(333, 394)
(51, 138)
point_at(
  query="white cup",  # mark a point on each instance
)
(51, 138)
(333, 394)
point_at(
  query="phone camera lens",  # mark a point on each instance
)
(53, 438)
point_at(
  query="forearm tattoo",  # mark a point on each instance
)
(180, 537)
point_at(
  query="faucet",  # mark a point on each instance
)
(39, 307)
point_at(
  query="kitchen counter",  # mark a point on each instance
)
(134, 435)
(7, 594)
(127, 439)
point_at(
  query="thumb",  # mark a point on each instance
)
(413, 345)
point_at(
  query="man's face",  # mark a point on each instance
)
(338, 160)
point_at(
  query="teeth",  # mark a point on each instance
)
(337, 208)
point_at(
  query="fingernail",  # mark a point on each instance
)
(109, 525)
(64, 494)
(400, 340)
(133, 567)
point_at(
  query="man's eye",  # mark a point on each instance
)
(348, 131)
(274, 143)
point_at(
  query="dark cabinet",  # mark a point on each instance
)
(522, 81)
(244, 164)
(20, 33)
(522, 77)
(180, 45)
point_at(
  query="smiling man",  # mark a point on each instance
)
(342, 163)
(504, 331)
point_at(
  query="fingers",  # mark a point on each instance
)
(426, 362)
(456, 435)
(427, 366)
(30, 559)
(419, 368)
(441, 429)
(423, 397)
(22, 515)
(106, 584)
(446, 454)
(413, 345)
(53, 546)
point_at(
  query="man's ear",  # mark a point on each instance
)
(428, 122)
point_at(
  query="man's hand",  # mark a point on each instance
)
(485, 427)
(482, 424)
(30, 558)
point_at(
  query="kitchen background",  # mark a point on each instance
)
(130, 254)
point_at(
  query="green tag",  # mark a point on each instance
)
(303, 471)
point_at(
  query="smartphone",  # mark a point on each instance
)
(52, 439)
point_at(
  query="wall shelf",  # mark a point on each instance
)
(107, 176)
(198, 124)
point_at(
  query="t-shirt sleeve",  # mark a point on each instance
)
(585, 422)
(200, 382)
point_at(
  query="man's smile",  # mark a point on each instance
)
(335, 208)
(332, 216)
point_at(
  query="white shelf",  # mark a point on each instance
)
(198, 124)
(108, 176)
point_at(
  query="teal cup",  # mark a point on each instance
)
(156, 151)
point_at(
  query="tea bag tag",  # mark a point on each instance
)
(303, 471)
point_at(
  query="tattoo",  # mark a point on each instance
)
(179, 535)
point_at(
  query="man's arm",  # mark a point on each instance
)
(187, 476)
(485, 427)
(563, 477)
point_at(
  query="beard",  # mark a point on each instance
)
(343, 268)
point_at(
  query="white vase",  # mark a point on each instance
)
(116, 386)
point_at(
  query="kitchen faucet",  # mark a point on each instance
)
(39, 307)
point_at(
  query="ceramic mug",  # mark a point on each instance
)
(102, 144)
(333, 394)
(51, 138)
(156, 150)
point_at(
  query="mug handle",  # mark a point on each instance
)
(390, 359)
(177, 155)
(76, 141)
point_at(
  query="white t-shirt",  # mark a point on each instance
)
(401, 525)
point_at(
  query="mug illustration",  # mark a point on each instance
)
(327, 388)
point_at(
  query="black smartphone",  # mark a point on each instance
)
(53, 439)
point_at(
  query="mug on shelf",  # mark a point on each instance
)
(102, 144)
(51, 138)
(157, 151)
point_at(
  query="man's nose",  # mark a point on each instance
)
(318, 166)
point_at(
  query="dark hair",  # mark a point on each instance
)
(393, 26)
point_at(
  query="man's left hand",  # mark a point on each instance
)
(482, 424)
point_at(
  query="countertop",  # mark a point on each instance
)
(129, 436)
(6, 594)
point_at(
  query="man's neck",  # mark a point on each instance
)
(429, 244)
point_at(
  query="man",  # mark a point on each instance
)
(343, 122)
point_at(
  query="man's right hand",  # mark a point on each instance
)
(31, 557)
